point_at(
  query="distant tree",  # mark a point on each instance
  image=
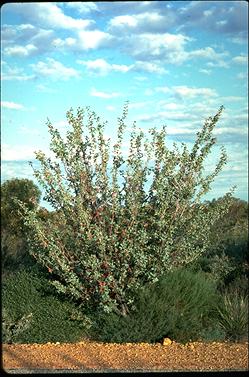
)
(13, 230)
(111, 235)
(227, 258)
(22, 189)
(231, 234)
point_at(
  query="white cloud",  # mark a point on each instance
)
(233, 168)
(182, 92)
(172, 106)
(18, 77)
(185, 119)
(26, 40)
(208, 12)
(12, 105)
(110, 108)
(211, 54)
(124, 21)
(230, 18)
(49, 14)
(42, 39)
(54, 69)
(208, 106)
(82, 7)
(208, 53)
(15, 169)
(179, 130)
(232, 98)
(93, 39)
(220, 64)
(228, 130)
(17, 152)
(167, 47)
(105, 95)
(12, 33)
(84, 40)
(166, 116)
(102, 67)
(21, 51)
(66, 43)
(205, 71)
(148, 67)
(221, 23)
(188, 92)
(142, 22)
(145, 35)
(241, 59)
(13, 73)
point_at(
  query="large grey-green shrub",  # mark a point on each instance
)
(110, 234)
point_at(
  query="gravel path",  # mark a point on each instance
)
(89, 357)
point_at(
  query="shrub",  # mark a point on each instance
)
(14, 237)
(13, 249)
(177, 307)
(233, 314)
(212, 332)
(28, 292)
(240, 284)
(22, 189)
(230, 235)
(229, 243)
(220, 267)
(111, 233)
(10, 329)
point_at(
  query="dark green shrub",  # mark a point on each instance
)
(22, 189)
(27, 292)
(11, 329)
(230, 233)
(14, 233)
(212, 332)
(177, 307)
(227, 257)
(233, 314)
(240, 284)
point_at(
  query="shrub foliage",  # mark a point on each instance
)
(14, 232)
(233, 314)
(121, 222)
(34, 313)
(177, 306)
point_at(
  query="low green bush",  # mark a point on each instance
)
(177, 306)
(233, 314)
(52, 320)
(213, 333)
(11, 329)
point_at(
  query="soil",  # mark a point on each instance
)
(92, 356)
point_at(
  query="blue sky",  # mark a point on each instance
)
(175, 61)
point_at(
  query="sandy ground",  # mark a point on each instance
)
(93, 356)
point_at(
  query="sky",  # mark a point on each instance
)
(176, 62)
